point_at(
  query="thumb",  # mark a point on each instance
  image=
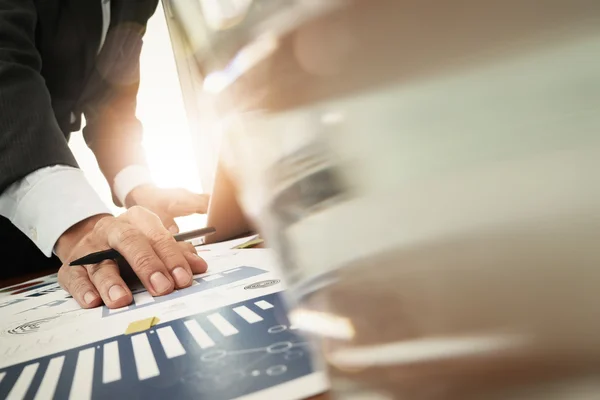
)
(185, 203)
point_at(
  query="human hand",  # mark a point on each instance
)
(161, 263)
(168, 203)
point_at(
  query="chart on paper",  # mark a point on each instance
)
(226, 336)
(221, 354)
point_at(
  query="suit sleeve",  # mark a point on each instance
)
(112, 130)
(30, 137)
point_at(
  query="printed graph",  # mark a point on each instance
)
(219, 354)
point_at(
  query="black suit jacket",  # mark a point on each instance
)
(50, 70)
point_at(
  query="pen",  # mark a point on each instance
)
(112, 254)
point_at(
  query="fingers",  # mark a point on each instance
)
(169, 223)
(76, 281)
(185, 203)
(197, 263)
(155, 257)
(164, 245)
(107, 280)
(136, 248)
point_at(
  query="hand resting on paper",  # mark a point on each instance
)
(161, 263)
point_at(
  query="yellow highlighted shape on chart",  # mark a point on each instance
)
(141, 325)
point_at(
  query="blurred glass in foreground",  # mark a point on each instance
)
(428, 172)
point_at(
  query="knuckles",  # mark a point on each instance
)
(160, 237)
(187, 246)
(145, 263)
(78, 285)
(127, 237)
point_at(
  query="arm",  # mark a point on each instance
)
(38, 174)
(30, 137)
(114, 133)
(49, 199)
(112, 130)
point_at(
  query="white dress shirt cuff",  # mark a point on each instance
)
(47, 202)
(128, 179)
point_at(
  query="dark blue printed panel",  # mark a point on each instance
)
(219, 354)
(200, 284)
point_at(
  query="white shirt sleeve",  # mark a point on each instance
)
(128, 179)
(47, 202)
